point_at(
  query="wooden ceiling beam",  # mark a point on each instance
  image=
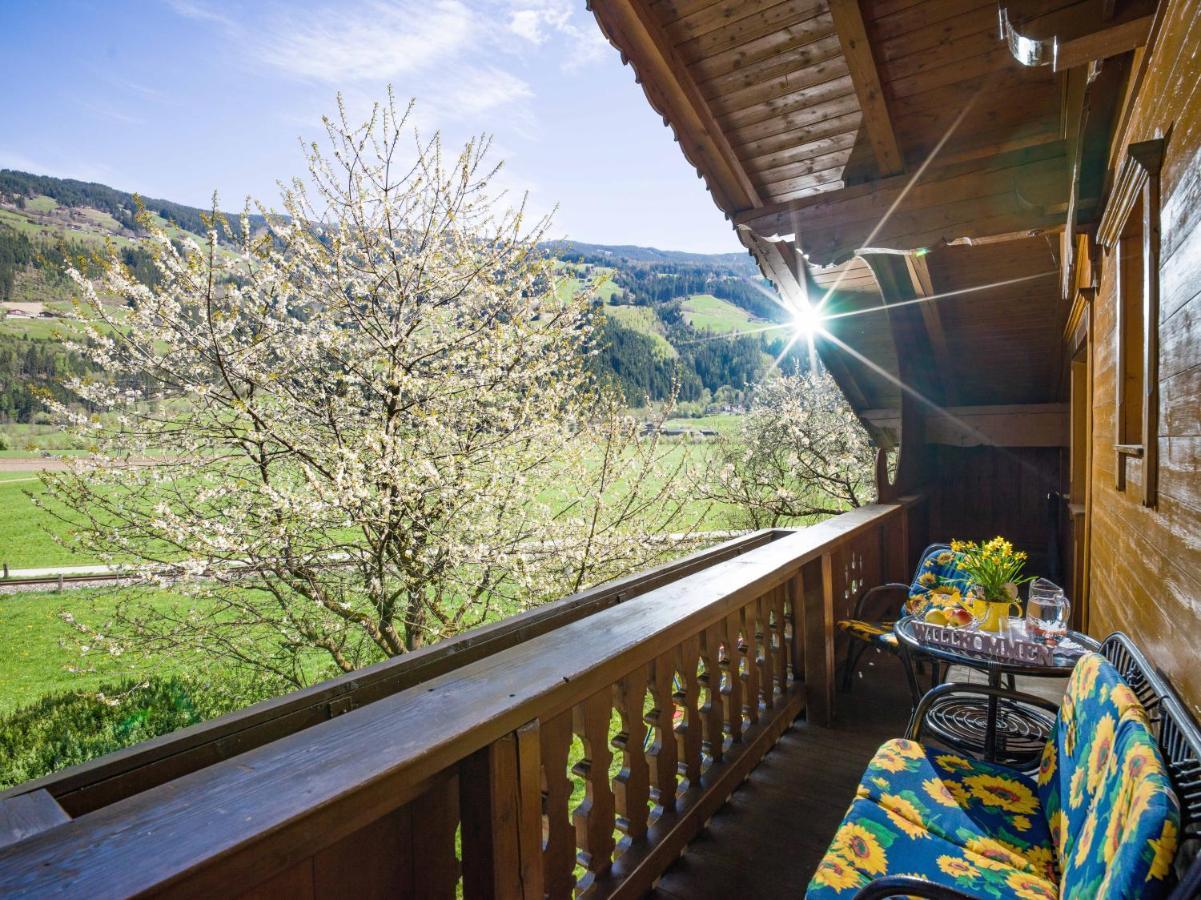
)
(857, 49)
(1102, 44)
(1013, 194)
(923, 286)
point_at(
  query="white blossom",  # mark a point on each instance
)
(360, 429)
(799, 454)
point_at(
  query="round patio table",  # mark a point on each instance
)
(1002, 730)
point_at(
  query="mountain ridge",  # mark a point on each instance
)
(704, 326)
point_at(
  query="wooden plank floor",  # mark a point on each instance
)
(768, 839)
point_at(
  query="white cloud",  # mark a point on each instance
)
(540, 21)
(373, 42)
(467, 62)
(474, 91)
(106, 111)
(201, 12)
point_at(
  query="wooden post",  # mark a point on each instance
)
(818, 615)
(596, 816)
(632, 786)
(500, 798)
(796, 595)
(558, 853)
(435, 816)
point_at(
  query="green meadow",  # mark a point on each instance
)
(704, 311)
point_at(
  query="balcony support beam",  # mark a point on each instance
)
(857, 49)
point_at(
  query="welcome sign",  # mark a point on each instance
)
(1004, 646)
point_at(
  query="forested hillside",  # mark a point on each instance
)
(705, 326)
(121, 205)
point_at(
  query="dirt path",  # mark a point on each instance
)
(32, 464)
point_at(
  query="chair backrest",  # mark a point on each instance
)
(1104, 787)
(937, 568)
(1179, 741)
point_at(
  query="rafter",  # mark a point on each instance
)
(672, 91)
(857, 49)
(1102, 44)
(923, 286)
(1016, 193)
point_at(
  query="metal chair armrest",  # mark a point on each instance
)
(902, 886)
(914, 732)
(891, 586)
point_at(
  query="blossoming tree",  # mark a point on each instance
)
(799, 453)
(364, 428)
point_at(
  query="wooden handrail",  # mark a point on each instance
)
(736, 650)
(88, 786)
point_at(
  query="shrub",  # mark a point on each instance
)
(65, 729)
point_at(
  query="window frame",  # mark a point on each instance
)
(1137, 185)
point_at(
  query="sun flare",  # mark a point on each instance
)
(807, 320)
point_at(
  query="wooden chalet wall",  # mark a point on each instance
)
(873, 153)
(985, 491)
(1145, 562)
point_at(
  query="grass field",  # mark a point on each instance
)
(43, 653)
(575, 279)
(41, 204)
(27, 533)
(31, 439)
(40, 654)
(726, 423)
(704, 311)
(92, 228)
(25, 530)
(38, 329)
(643, 320)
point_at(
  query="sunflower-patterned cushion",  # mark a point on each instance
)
(1104, 789)
(938, 582)
(979, 806)
(1101, 820)
(872, 632)
(873, 841)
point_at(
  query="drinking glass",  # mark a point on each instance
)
(1047, 612)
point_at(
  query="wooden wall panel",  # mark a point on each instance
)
(1145, 569)
(986, 491)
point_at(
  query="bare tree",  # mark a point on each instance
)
(800, 453)
(362, 429)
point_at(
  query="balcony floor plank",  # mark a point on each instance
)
(769, 837)
(767, 840)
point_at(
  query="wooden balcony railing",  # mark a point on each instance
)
(660, 705)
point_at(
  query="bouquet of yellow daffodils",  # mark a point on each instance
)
(994, 567)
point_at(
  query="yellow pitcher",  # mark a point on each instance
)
(991, 615)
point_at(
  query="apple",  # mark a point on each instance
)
(958, 617)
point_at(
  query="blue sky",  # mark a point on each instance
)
(176, 98)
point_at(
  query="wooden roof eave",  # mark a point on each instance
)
(986, 191)
(672, 93)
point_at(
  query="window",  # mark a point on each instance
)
(1129, 231)
(1131, 360)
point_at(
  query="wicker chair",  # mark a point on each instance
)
(876, 610)
(1051, 866)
